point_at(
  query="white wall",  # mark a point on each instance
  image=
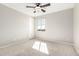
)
(14, 25)
(31, 28)
(76, 27)
(58, 26)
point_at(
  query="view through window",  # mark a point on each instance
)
(41, 24)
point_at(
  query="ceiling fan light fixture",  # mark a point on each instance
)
(39, 7)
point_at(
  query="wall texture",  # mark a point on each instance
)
(59, 26)
(14, 25)
(76, 27)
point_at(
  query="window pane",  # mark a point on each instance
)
(43, 27)
(40, 23)
(39, 27)
(43, 21)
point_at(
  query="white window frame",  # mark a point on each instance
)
(40, 24)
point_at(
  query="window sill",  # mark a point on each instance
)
(41, 30)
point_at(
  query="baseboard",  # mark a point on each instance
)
(12, 43)
(57, 41)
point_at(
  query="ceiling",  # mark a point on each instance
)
(55, 7)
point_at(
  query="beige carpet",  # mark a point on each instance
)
(38, 48)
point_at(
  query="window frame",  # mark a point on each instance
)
(41, 23)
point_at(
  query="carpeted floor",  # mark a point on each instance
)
(38, 48)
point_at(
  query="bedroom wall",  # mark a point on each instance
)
(76, 27)
(14, 25)
(59, 26)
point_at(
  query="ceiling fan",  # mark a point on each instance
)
(39, 6)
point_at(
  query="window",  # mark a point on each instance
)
(41, 24)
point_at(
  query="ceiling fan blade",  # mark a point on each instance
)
(43, 10)
(45, 5)
(30, 6)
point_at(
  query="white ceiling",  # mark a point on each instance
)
(55, 7)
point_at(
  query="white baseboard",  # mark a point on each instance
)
(16, 42)
(57, 41)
